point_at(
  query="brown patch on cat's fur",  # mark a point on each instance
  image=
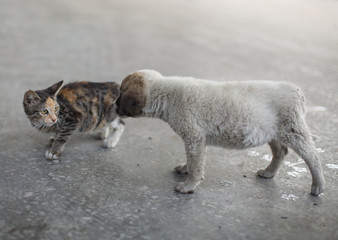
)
(109, 99)
(132, 98)
(94, 119)
(50, 103)
(69, 94)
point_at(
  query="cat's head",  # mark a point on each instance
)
(41, 106)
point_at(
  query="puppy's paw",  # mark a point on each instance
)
(265, 173)
(51, 155)
(317, 189)
(181, 169)
(186, 187)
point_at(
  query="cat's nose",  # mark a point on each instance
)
(54, 120)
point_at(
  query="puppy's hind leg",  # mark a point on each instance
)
(195, 150)
(300, 140)
(182, 168)
(279, 151)
(116, 131)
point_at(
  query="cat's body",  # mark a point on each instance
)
(83, 106)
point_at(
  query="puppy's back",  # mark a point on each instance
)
(236, 114)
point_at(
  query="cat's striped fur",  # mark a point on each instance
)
(83, 106)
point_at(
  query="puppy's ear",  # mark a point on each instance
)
(30, 98)
(132, 103)
(133, 79)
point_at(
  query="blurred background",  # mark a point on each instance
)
(45, 41)
(42, 42)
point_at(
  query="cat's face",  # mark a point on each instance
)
(41, 106)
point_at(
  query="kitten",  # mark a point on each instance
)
(83, 106)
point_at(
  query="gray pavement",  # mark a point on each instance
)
(128, 193)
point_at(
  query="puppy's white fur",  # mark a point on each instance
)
(232, 115)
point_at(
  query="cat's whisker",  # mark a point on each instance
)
(40, 129)
(37, 126)
(58, 125)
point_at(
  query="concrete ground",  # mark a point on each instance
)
(128, 193)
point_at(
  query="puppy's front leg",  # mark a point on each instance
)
(195, 149)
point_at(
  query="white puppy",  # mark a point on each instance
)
(228, 114)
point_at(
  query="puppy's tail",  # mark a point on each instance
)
(302, 100)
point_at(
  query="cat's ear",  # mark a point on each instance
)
(54, 90)
(31, 98)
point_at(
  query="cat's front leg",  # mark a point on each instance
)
(59, 142)
(51, 140)
(53, 155)
(57, 147)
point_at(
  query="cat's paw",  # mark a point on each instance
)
(51, 155)
(110, 143)
(115, 136)
(102, 133)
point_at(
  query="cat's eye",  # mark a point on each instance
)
(44, 111)
(56, 108)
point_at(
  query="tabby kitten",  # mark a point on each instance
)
(83, 106)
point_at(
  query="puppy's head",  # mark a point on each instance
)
(132, 98)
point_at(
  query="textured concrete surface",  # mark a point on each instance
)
(128, 193)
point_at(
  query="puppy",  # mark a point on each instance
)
(234, 115)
